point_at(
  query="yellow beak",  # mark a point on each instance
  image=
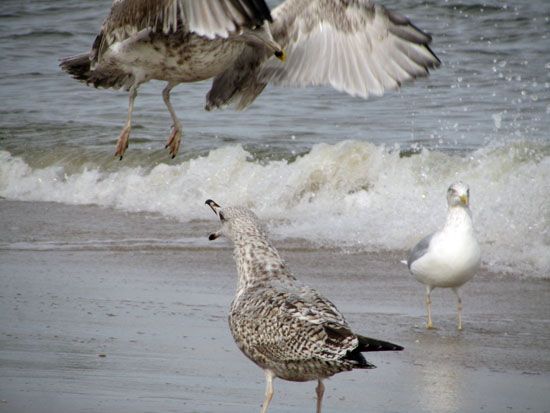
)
(281, 55)
(464, 199)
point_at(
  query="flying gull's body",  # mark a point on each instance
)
(285, 327)
(450, 257)
(357, 47)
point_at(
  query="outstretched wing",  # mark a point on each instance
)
(209, 18)
(356, 46)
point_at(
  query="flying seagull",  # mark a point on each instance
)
(356, 46)
(451, 256)
(287, 328)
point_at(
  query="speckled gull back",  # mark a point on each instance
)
(279, 323)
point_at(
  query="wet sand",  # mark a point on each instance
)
(105, 311)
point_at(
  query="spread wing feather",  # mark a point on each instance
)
(356, 46)
(209, 18)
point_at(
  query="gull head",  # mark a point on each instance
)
(261, 37)
(458, 194)
(236, 222)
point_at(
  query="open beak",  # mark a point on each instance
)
(216, 208)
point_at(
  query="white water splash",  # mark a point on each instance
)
(352, 194)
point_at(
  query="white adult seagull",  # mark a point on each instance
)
(451, 256)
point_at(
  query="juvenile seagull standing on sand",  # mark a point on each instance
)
(450, 257)
(285, 327)
(356, 46)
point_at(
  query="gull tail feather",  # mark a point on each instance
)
(79, 67)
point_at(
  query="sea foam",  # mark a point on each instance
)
(352, 194)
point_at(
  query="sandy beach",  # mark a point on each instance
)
(112, 299)
(125, 314)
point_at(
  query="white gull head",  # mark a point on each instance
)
(458, 194)
(451, 256)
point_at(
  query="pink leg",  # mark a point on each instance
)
(320, 391)
(175, 135)
(122, 143)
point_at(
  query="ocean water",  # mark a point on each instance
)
(318, 165)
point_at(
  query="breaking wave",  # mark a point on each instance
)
(352, 194)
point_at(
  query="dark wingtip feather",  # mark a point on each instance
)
(408, 31)
(358, 359)
(370, 344)
(262, 10)
(259, 10)
(438, 63)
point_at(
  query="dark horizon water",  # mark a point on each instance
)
(318, 164)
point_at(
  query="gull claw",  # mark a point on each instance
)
(174, 141)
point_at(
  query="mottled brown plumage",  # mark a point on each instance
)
(171, 40)
(285, 327)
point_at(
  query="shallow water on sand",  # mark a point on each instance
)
(107, 311)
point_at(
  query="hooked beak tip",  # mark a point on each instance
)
(212, 205)
(281, 55)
